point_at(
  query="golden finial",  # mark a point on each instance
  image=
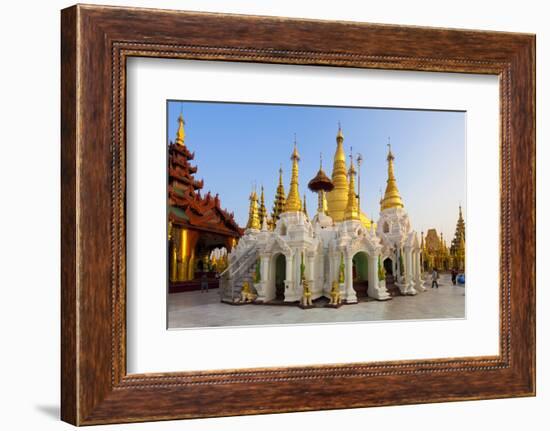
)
(340, 134)
(305, 207)
(392, 198)
(293, 201)
(180, 135)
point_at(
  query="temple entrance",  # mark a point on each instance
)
(388, 266)
(360, 273)
(203, 261)
(391, 287)
(280, 275)
(195, 265)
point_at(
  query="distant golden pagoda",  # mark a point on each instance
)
(352, 209)
(293, 201)
(253, 217)
(392, 198)
(337, 199)
(434, 252)
(305, 207)
(458, 245)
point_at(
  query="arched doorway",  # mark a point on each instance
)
(391, 287)
(360, 273)
(388, 266)
(280, 275)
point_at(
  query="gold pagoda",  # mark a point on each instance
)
(338, 199)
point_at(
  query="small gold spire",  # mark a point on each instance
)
(253, 218)
(305, 207)
(262, 212)
(293, 201)
(352, 208)
(392, 198)
(180, 136)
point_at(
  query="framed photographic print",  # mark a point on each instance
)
(266, 215)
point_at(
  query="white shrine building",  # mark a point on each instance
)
(339, 244)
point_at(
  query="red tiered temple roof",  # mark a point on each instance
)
(187, 208)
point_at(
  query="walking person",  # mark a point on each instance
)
(454, 273)
(435, 277)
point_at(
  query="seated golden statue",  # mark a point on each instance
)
(246, 293)
(335, 298)
(306, 295)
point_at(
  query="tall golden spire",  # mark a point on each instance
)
(352, 208)
(293, 201)
(392, 198)
(180, 135)
(337, 199)
(262, 212)
(253, 218)
(280, 199)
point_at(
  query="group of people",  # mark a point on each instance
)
(435, 277)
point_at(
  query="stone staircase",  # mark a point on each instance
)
(232, 279)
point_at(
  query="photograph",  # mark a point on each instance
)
(282, 214)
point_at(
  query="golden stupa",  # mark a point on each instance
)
(392, 198)
(338, 198)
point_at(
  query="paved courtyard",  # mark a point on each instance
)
(204, 309)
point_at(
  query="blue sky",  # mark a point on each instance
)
(239, 145)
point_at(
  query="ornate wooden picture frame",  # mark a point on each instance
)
(96, 42)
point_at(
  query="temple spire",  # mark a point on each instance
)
(280, 199)
(180, 135)
(253, 218)
(293, 201)
(262, 212)
(337, 199)
(458, 244)
(305, 207)
(392, 198)
(352, 208)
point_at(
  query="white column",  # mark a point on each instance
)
(310, 267)
(419, 285)
(415, 265)
(288, 267)
(407, 264)
(409, 288)
(264, 268)
(310, 271)
(297, 270)
(375, 290)
(335, 268)
(351, 296)
(373, 273)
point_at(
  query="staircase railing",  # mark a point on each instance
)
(234, 270)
